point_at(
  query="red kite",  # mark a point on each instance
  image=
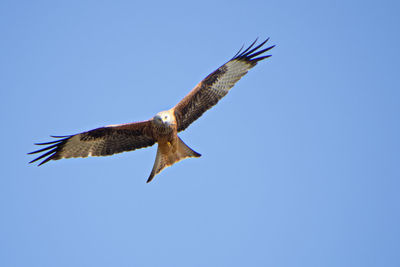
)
(164, 126)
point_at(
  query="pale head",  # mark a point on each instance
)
(164, 118)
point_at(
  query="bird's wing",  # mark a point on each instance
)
(216, 85)
(102, 141)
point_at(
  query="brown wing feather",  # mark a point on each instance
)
(102, 141)
(216, 85)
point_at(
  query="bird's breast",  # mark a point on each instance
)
(163, 131)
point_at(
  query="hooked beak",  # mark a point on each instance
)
(159, 119)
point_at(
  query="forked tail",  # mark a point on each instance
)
(167, 155)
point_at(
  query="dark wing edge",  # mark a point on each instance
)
(51, 149)
(103, 141)
(249, 54)
(216, 85)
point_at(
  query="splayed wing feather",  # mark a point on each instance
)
(216, 85)
(102, 141)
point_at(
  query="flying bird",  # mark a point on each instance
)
(164, 126)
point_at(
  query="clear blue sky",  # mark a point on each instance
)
(300, 162)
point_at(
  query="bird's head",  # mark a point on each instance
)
(164, 118)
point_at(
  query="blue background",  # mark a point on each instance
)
(300, 162)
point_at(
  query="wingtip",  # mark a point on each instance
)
(34, 160)
(60, 136)
(150, 178)
(252, 51)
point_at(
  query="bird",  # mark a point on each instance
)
(163, 128)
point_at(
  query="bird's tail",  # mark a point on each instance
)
(168, 154)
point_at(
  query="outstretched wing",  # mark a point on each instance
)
(102, 141)
(216, 85)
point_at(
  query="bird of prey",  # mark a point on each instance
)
(164, 126)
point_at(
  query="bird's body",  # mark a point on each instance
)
(163, 128)
(171, 148)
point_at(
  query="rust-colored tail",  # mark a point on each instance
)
(167, 155)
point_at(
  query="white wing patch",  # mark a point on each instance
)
(75, 148)
(236, 69)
